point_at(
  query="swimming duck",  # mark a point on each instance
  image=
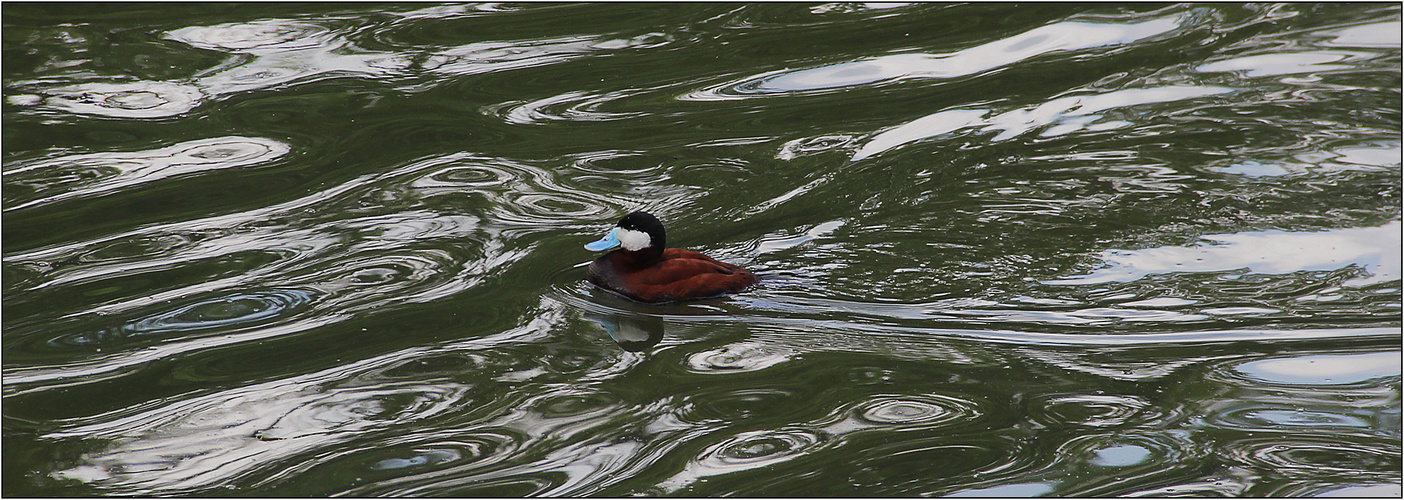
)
(644, 271)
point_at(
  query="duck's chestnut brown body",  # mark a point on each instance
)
(674, 275)
(644, 271)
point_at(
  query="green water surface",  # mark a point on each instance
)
(1043, 249)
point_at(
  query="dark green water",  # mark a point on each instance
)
(1011, 250)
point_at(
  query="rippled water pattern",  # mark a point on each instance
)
(1007, 249)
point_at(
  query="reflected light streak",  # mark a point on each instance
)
(1058, 37)
(1325, 369)
(1272, 252)
(94, 173)
(1281, 63)
(1066, 114)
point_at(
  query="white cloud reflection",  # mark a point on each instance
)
(1282, 63)
(1058, 37)
(1377, 249)
(1062, 116)
(1324, 369)
(1386, 34)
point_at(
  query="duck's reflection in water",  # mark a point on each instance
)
(633, 332)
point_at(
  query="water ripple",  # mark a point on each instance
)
(1057, 117)
(1306, 457)
(744, 404)
(1092, 410)
(395, 248)
(576, 404)
(518, 194)
(260, 37)
(204, 442)
(491, 57)
(363, 281)
(577, 106)
(745, 451)
(1377, 249)
(239, 310)
(139, 99)
(417, 458)
(893, 412)
(910, 412)
(1124, 451)
(865, 7)
(406, 466)
(1253, 415)
(55, 179)
(1058, 37)
(1137, 458)
(153, 451)
(902, 467)
(137, 249)
(281, 51)
(274, 52)
(742, 357)
(806, 146)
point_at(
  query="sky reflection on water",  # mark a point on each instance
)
(1054, 38)
(1377, 250)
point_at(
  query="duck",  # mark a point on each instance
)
(644, 270)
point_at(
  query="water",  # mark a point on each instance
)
(1044, 249)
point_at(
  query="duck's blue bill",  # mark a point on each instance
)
(607, 242)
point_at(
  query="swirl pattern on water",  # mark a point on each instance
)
(892, 412)
(1093, 410)
(284, 418)
(904, 412)
(429, 460)
(578, 106)
(1306, 457)
(745, 451)
(275, 52)
(1137, 457)
(54, 179)
(235, 311)
(740, 404)
(736, 357)
(404, 262)
(126, 99)
(264, 37)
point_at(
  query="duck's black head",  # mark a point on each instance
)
(636, 232)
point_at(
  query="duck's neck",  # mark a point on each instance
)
(639, 259)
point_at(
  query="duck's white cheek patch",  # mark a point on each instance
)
(633, 240)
